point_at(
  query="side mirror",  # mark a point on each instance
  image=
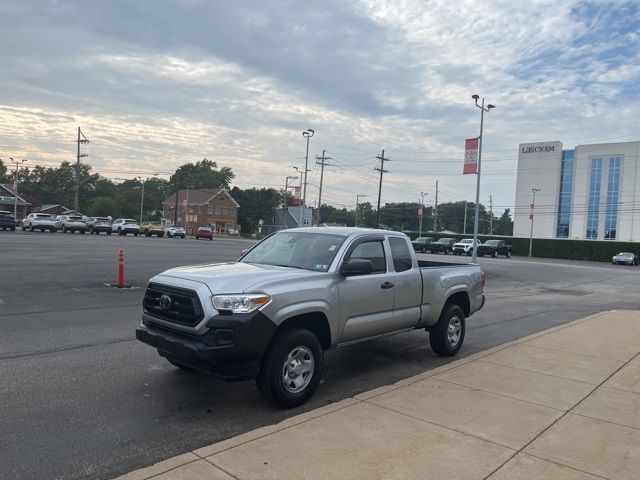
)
(356, 266)
(244, 251)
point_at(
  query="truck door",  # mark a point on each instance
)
(407, 285)
(366, 301)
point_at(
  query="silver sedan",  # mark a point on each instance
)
(625, 258)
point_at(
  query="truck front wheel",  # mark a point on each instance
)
(291, 368)
(447, 335)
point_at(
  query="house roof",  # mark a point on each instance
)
(7, 191)
(198, 196)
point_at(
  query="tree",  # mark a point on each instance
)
(4, 178)
(255, 204)
(504, 224)
(202, 174)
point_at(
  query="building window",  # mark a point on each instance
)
(593, 210)
(613, 187)
(564, 201)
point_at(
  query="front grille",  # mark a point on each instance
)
(185, 308)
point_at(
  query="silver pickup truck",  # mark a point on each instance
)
(273, 313)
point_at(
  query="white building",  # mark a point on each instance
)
(590, 192)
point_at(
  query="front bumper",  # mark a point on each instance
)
(231, 349)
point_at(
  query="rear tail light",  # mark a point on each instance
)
(483, 278)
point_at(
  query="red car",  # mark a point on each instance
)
(204, 232)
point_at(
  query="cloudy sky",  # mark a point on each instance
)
(155, 84)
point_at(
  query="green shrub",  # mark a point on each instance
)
(598, 251)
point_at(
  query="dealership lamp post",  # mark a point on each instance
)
(308, 133)
(421, 207)
(477, 212)
(534, 190)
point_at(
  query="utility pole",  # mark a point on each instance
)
(534, 190)
(322, 164)
(175, 211)
(421, 211)
(81, 139)
(382, 171)
(286, 188)
(464, 228)
(490, 215)
(17, 163)
(435, 211)
(358, 197)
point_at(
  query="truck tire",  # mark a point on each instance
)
(508, 254)
(447, 335)
(291, 368)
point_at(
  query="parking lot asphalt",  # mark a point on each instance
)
(81, 398)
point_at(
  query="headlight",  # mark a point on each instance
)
(241, 303)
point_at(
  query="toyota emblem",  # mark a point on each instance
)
(165, 302)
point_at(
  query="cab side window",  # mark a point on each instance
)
(373, 251)
(402, 260)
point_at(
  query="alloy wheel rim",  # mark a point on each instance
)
(454, 330)
(297, 369)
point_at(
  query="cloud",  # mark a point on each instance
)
(157, 84)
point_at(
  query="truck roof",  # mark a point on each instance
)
(345, 231)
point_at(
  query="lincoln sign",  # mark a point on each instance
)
(538, 149)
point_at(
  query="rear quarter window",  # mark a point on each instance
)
(402, 260)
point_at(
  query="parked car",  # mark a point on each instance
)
(7, 221)
(204, 232)
(70, 223)
(175, 232)
(97, 225)
(151, 228)
(465, 246)
(421, 244)
(494, 248)
(38, 221)
(625, 258)
(123, 226)
(298, 293)
(443, 245)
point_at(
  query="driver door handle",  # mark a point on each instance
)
(386, 285)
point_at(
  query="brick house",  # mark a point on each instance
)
(212, 207)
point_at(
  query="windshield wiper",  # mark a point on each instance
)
(286, 266)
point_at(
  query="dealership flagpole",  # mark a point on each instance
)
(478, 170)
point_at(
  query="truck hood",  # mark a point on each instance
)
(234, 277)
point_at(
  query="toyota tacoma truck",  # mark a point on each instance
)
(272, 314)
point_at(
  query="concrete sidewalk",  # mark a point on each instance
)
(560, 404)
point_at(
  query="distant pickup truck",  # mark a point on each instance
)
(297, 293)
(494, 248)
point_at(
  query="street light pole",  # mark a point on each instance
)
(308, 133)
(421, 207)
(186, 210)
(534, 190)
(483, 109)
(358, 197)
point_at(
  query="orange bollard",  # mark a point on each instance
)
(121, 268)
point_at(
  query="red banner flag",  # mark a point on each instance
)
(470, 156)
(296, 196)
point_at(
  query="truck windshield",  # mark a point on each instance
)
(308, 251)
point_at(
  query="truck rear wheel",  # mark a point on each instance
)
(447, 335)
(291, 368)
